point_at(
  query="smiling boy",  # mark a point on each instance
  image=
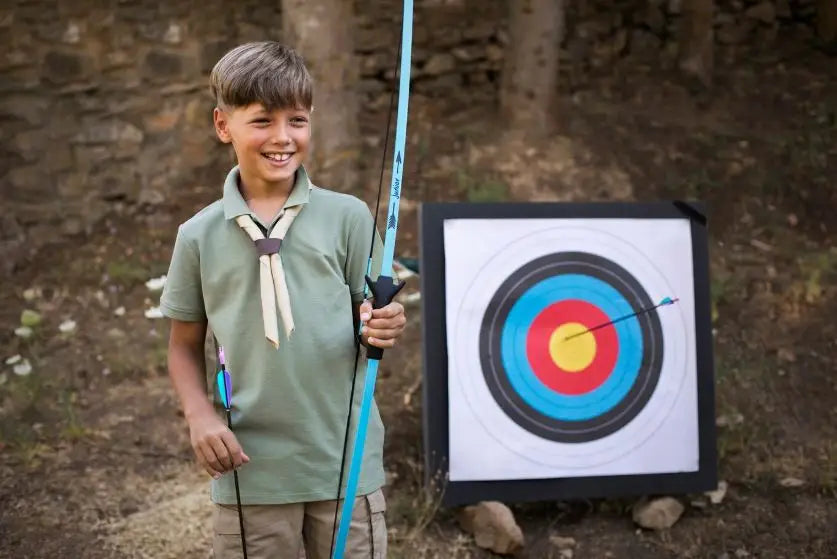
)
(276, 269)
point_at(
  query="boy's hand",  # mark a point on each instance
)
(215, 446)
(382, 327)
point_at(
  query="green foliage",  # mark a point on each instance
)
(477, 189)
(127, 272)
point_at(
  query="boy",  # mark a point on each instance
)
(276, 269)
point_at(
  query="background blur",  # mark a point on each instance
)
(108, 146)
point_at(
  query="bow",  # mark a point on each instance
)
(383, 289)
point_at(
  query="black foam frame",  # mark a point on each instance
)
(435, 388)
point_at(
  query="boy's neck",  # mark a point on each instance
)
(266, 199)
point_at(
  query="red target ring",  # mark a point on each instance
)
(541, 359)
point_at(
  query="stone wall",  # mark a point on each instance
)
(104, 103)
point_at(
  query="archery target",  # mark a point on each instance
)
(535, 381)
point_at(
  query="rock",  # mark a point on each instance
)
(493, 526)
(156, 284)
(116, 334)
(785, 354)
(72, 34)
(23, 332)
(791, 482)
(67, 327)
(23, 368)
(566, 554)
(644, 43)
(764, 12)
(659, 514)
(14, 359)
(716, 497)
(108, 132)
(562, 542)
(62, 67)
(173, 34)
(153, 312)
(30, 318)
(653, 18)
(760, 245)
(783, 9)
(439, 64)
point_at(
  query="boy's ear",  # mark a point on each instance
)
(222, 129)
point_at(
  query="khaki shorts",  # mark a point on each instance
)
(300, 530)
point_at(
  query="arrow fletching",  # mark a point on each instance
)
(224, 387)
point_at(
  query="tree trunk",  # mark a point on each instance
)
(696, 40)
(322, 33)
(827, 20)
(530, 70)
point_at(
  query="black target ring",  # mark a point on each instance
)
(496, 376)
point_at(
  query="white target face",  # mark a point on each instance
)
(538, 388)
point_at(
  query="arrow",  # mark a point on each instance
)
(398, 163)
(666, 301)
(224, 382)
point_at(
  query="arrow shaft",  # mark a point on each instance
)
(614, 321)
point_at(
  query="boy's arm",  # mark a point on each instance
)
(216, 448)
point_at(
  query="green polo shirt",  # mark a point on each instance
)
(289, 404)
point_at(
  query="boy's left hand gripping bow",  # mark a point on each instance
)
(383, 289)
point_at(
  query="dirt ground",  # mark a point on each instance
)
(94, 457)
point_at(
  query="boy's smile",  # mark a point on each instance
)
(269, 145)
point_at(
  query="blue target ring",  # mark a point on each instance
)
(523, 379)
(513, 384)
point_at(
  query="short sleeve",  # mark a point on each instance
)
(182, 297)
(357, 254)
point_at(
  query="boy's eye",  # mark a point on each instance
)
(261, 121)
(299, 120)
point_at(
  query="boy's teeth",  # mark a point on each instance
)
(278, 156)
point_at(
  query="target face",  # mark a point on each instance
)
(548, 362)
(555, 367)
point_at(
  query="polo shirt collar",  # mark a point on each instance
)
(234, 204)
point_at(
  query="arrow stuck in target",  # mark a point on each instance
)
(666, 301)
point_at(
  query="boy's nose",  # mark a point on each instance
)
(280, 135)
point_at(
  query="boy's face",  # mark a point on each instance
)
(270, 145)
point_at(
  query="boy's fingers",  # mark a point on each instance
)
(381, 333)
(388, 311)
(205, 457)
(365, 311)
(221, 453)
(233, 448)
(396, 323)
(383, 344)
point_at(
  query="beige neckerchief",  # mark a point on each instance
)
(273, 288)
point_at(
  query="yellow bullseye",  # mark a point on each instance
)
(572, 355)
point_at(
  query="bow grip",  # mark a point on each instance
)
(383, 290)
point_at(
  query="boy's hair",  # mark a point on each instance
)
(266, 72)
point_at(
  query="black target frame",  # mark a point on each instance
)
(435, 367)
